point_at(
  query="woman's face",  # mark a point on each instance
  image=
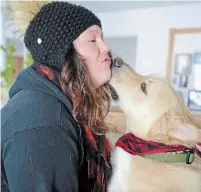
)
(93, 50)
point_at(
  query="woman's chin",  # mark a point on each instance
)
(102, 79)
(108, 77)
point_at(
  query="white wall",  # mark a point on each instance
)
(124, 47)
(151, 26)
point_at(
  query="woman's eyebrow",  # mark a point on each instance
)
(96, 32)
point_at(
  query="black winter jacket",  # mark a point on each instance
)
(41, 144)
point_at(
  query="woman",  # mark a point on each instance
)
(53, 125)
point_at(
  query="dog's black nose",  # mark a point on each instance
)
(117, 62)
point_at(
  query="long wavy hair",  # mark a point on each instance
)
(90, 106)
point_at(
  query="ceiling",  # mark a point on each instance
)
(115, 6)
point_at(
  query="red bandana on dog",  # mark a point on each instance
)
(136, 146)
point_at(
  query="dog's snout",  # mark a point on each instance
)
(117, 62)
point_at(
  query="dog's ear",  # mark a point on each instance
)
(176, 128)
(188, 129)
(195, 119)
(185, 132)
(183, 126)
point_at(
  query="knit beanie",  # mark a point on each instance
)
(51, 32)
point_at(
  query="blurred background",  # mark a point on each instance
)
(154, 37)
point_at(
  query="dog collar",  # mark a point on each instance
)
(186, 156)
(157, 151)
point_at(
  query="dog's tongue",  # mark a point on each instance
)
(113, 93)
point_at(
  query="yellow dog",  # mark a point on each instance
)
(157, 121)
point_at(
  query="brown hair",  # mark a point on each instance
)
(90, 107)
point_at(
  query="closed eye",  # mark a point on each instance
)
(93, 41)
(144, 87)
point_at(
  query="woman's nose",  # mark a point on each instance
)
(104, 48)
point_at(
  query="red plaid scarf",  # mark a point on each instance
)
(96, 147)
(136, 146)
(98, 160)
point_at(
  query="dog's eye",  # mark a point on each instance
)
(144, 87)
